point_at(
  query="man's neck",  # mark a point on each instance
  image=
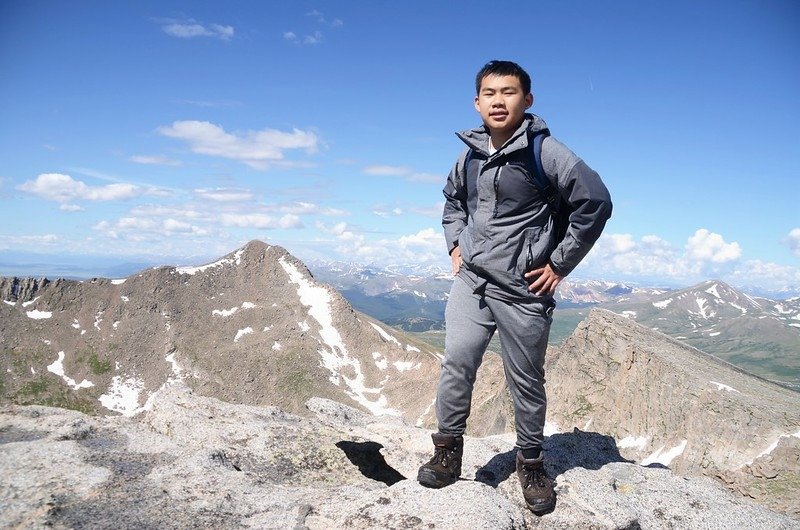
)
(499, 139)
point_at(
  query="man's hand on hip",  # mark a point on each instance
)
(546, 282)
(455, 257)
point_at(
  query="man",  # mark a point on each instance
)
(508, 254)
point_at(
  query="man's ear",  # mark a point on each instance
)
(529, 100)
(477, 107)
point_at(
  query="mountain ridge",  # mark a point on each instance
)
(254, 328)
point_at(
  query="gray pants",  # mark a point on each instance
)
(471, 320)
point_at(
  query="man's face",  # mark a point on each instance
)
(501, 103)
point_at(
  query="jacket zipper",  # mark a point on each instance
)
(496, 189)
(529, 257)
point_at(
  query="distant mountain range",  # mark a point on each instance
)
(414, 298)
(758, 334)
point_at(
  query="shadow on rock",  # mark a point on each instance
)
(498, 469)
(367, 456)
(563, 451)
(589, 450)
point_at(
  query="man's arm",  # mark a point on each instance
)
(454, 216)
(590, 203)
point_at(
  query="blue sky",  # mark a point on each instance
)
(173, 132)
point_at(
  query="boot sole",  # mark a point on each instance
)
(430, 479)
(541, 508)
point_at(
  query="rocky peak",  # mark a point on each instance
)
(667, 403)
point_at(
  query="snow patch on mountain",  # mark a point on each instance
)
(384, 334)
(39, 315)
(638, 442)
(662, 304)
(123, 395)
(403, 366)
(380, 361)
(30, 302)
(336, 357)
(774, 445)
(235, 260)
(58, 368)
(665, 457)
(740, 308)
(241, 333)
(721, 386)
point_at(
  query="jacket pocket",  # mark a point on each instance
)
(537, 246)
(465, 244)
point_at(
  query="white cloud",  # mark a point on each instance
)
(219, 103)
(258, 149)
(65, 207)
(402, 171)
(427, 238)
(434, 211)
(28, 242)
(155, 160)
(382, 211)
(335, 23)
(425, 246)
(259, 220)
(387, 171)
(311, 39)
(190, 211)
(620, 243)
(144, 228)
(224, 194)
(622, 255)
(305, 208)
(707, 246)
(793, 240)
(765, 274)
(705, 255)
(314, 38)
(191, 29)
(64, 189)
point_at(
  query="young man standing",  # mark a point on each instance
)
(509, 255)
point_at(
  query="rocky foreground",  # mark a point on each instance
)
(194, 461)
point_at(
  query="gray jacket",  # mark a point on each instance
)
(494, 212)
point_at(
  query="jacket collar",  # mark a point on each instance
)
(478, 138)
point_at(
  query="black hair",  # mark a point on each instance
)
(503, 68)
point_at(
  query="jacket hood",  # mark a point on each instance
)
(478, 138)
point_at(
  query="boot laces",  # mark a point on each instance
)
(535, 476)
(442, 455)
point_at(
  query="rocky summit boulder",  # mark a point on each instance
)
(194, 461)
(668, 404)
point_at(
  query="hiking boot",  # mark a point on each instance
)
(445, 466)
(537, 488)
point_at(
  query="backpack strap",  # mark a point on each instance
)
(540, 179)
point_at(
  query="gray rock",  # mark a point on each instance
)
(194, 461)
